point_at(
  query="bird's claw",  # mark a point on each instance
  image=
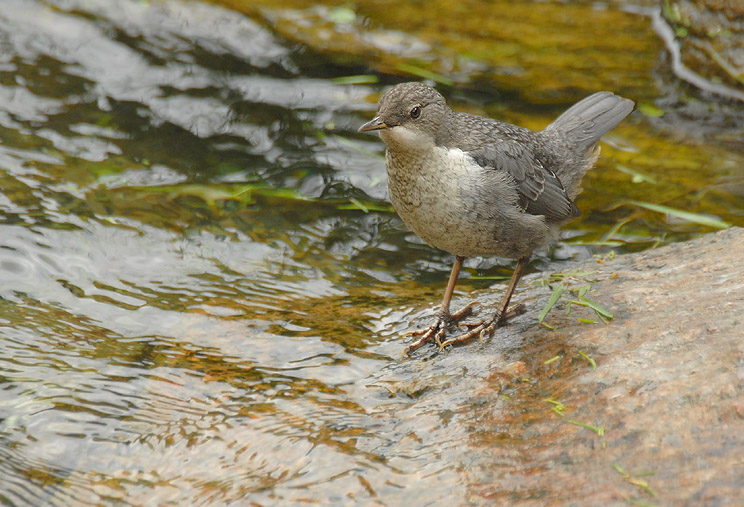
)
(435, 330)
(480, 329)
(438, 330)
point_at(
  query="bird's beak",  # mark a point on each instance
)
(374, 124)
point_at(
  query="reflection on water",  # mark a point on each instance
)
(193, 307)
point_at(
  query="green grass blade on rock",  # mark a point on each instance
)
(554, 297)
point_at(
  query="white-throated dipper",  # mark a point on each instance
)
(473, 186)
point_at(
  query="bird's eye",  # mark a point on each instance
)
(415, 112)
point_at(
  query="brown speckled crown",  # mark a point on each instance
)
(411, 92)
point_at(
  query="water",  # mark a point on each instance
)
(193, 307)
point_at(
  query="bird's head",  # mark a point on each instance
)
(410, 115)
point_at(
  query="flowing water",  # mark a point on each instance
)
(202, 285)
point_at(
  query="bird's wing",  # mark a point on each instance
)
(540, 191)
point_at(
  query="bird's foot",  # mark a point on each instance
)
(437, 330)
(483, 328)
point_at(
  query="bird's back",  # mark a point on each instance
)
(526, 156)
(566, 149)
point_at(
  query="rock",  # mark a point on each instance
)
(661, 418)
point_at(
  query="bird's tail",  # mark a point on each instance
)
(586, 121)
(579, 130)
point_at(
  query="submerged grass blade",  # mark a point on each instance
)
(637, 177)
(356, 204)
(357, 147)
(358, 79)
(678, 213)
(359, 204)
(613, 243)
(213, 193)
(615, 229)
(424, 73)
(651, 110)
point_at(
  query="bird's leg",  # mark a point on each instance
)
(487, 327)
(439, 328)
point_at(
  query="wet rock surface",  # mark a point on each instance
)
(661, 418)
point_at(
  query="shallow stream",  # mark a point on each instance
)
(202, 284)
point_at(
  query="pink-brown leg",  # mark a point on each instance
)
(487, 327)
(437, 330)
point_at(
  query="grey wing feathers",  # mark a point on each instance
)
(540, 191)
(589, 119)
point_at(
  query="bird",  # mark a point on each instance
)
(474, 186)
